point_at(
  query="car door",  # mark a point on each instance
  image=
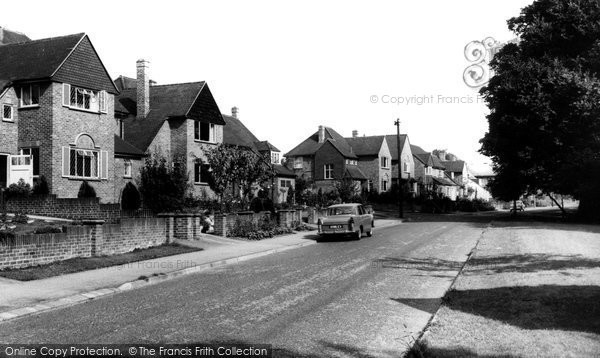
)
(364, 220)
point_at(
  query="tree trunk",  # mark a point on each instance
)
(562, 209)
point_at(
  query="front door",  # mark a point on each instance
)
(3, 170)
(21, 168)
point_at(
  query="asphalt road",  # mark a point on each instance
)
(364, 298)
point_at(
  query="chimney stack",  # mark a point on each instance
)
(234, 112)
(321, 134)
(354, 133)
(143, 89)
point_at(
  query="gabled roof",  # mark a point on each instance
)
(124, 148)
(429, 160)
(11, 37)
(392, 142)
(453, 165)
(236, 133)
(444, 181)
(44, 59)
(283, 171)
(311, 145)
(124, 82)
(181, 100)
(366, 146)
(415, 149)
(264, 146)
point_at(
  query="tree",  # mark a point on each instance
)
(86, 190)
(130, 199)
(163, 184)
(237, 166)
(347, 189)
(544, 100)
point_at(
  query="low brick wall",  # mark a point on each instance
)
(184, 226)
(285, 218)
(92, 239)
(67, 208)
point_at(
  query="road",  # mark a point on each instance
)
(363, 298)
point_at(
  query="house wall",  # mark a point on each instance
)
(281, 196)
(328, 154)
(196, 150)
(69, 123)
(307, 170)
(385, 173)
(9, 131)
(161, 144)
(120, 180)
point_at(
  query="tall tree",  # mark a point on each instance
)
(544, 100)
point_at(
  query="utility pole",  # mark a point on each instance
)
(400, 187)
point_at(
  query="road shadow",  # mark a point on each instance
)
(569, 308)
(527, 263)
(429, 305)
(422, 350)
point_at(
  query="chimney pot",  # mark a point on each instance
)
(354, 133)
(143, 88)
(234, 112)
(321, 134)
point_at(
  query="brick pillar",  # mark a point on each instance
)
(221, 225)
(170, 229)
(96, 236)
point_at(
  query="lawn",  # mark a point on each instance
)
(83, 264)
(530, 290)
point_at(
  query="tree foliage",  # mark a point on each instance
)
(163, 184)
(86, 190)
(544, 100)
(130, 199)
(237, 166)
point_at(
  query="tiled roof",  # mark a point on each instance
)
(437, 163)
(35, 60)
(264, 146)
(123, 82)
(166, 101)
(11, 37)
(283, 171)
(366, 146)
(355, 173)
(236, 133)
(122, 147)
(311, 145)
(392, 142)
(444, 181)
(429, 160)
(415, 149)
(453, 165)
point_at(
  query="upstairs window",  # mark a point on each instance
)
(328, 171)
(406, 167)
(128, 167)
(30, 96)
(274, 157)
(7, 112)
(85, 99)
(298, 163)
(385, 162)
(204, 131)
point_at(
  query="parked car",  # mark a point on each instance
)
(346, 219)
(520, 206)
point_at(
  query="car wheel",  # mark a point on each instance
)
(358, 235)
(370, 232)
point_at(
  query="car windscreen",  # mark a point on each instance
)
(341, 210)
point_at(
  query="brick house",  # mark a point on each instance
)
(57, 102)
(236, 133)
(324, 157)
(431, 175)
(177, 120)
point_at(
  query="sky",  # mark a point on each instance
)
(292, 66)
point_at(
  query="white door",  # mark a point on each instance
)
(21, 167)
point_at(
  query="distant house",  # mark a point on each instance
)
(379, 162)
(431, 175)
(56, 100)
(236, 133)
(408, 161)
(178, 120)
(325, 157)
(11, 37)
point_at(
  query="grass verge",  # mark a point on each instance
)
(91, 263)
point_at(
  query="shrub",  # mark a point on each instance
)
(41, 187)
(18, 190)
(20, 218)
(48, 230)
(482, 205)
(130, 199)
(163, 185)
(86, 190)
(257, 230)
(6, 235)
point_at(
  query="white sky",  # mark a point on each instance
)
(291, 66)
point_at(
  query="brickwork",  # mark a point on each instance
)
(9, 130)
(328, 154)
(83, 241)
(120, 180)
(67, 208)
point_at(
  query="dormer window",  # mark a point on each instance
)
(274, 157)
(30, 96)
(204, 131)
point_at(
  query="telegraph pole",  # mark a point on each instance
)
(400, 187)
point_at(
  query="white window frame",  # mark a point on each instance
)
(211, 132)
(30, 88)
(298, 163)
(284, 183)
(274, 157)
(87, 152)
(328, 171)
(96, 103)
(198, 172)
(30, 153)
(406, 167)
(384, 185)
(12, 113)
(385, 163)
(128, 168)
